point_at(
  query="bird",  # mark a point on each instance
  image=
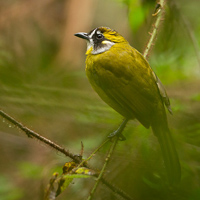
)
(124, 80)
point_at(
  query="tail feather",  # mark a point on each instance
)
(170, 155)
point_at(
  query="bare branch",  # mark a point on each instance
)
(32, 134)
(112, 147)
(158, 13)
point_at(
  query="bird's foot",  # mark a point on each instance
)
(117, 133)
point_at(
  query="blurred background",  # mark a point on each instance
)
(43, 85)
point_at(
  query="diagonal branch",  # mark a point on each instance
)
(112, 147)
(32, 134)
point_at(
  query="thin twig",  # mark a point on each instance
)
(117, 135)
(116, 190)
(92, 154)
(158, 13)
(33, 134)
(112, 147)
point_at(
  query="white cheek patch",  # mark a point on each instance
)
(106, 42)
(106, 45)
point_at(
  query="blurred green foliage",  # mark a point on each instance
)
(9, 191)
(29, 170)
(138, 12)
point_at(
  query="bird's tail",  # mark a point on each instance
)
(170, 155)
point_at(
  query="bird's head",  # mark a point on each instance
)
(100, 39)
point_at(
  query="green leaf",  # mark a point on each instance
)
(72, 176)
(65, 180)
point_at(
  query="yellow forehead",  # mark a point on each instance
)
(111, 35)
(114, 37)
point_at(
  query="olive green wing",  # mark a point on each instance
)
(127, 85)
(163, 93)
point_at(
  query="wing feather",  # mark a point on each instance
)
(127, 85)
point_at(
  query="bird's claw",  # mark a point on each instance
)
(116, 133)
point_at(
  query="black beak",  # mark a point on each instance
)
(82, 35)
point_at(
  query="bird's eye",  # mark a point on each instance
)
(99, 36)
